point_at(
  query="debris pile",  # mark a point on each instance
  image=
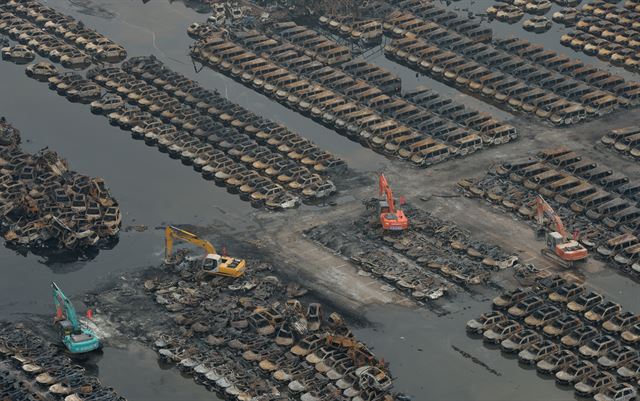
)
(43, 204)
(248, 337)
(33, 369)
(566, 331)
(590, 198)
(428, 260)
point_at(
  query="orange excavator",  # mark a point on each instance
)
(391, 218)
(560, 247)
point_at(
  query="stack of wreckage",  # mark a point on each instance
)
(606, 31)
(589, 197)
(567, 332)
(250, 338)
(45, 205)
(62, 39)
(432, 258)
(321, 79)
(33, 369)
(624, 140)
(510, 73)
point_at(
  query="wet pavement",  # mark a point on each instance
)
(154, 190)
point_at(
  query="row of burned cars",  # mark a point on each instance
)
(569, 332)
(317, 77)
(624, 140)
(591, 199)
(608, 32)
(57, 36)
(261, 160)
(509, 72)
(31, 369)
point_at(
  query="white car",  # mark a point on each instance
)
(617, 392)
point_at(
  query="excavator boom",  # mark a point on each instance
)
(213, 263)
(543, 208)
(171, 233)
(63, 304)
(385, 190)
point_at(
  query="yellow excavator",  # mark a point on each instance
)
(213, 263)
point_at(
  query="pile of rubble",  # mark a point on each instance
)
(246, 339)
(43, 204)
(428, 260)
(33, 369)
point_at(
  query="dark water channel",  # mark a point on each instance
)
(154, 190)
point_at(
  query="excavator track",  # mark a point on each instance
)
(551, 255)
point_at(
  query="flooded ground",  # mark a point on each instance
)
(153, 191)
(152, 381)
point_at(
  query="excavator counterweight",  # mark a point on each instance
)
(213, 263)
(390, 218)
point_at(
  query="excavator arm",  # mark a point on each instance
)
(62, 303)
(386, 190)
(543, 208)
(171, 233)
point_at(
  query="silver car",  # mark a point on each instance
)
(501, 331)
(594, 383)
(537, 352)
(485, 322)
(617, 392)
(556, 361)
(575, 372)
(520, 341)
(617, 357)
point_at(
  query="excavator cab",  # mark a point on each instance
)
(223, 265)
(213, 263)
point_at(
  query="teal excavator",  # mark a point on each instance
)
(78, 339)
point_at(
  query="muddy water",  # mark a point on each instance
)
(550, 39)
(154, 190)
(151, 381)
(434, 359)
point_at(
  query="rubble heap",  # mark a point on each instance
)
(33, 369)
(43, 204)
(431, 258)
(253, 338)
